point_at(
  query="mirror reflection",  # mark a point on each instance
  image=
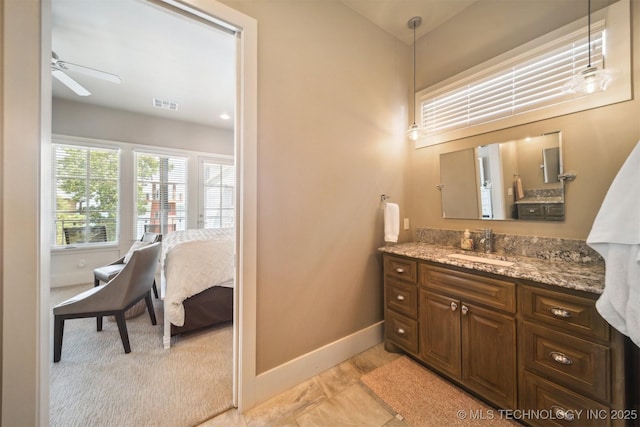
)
(505, 181)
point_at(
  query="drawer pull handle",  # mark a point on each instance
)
(400, 331)
(532, 211)
(400, 297)
(560, 312)
(454, 306)
(399, 270)
(560, 358)
(562, 414)
(465, 309)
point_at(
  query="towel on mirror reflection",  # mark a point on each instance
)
(615, 235)
(391, 222)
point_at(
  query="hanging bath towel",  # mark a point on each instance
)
(391, 222)
(616, 236)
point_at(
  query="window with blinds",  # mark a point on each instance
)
(86, 181)
(219, 189)
(161, 193)
(533, 83)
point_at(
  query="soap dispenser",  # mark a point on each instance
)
(466, 242)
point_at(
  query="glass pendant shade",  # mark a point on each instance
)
(590, 80)
(414, 132)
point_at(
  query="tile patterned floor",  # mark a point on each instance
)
(334, 398)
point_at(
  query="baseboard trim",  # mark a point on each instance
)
(275, 381)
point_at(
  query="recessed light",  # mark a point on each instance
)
(225, 116)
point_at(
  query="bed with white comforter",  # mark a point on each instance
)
(196, 263)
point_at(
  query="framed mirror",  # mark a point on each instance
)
(510, 180)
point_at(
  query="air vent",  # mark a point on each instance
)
(165, 105)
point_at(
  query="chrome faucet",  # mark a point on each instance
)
(487, 240)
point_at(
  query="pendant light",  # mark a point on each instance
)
(592, 79)
(414, 130)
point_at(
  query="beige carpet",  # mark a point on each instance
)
(97, 384)
(424, 399)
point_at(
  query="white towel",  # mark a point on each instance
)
(615, 235)
(391, 222)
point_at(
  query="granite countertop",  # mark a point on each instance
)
(531, 200)
(571, 275)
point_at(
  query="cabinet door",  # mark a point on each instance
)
(489, 354)
(440, 332)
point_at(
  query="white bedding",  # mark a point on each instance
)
(192, 261)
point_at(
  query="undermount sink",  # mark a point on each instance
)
(482, 260)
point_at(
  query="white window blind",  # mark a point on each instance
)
(161, 193)
(219, 182)
(86, 181)
(533, 83)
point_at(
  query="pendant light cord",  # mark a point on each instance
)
(413, 94)
(589, 30)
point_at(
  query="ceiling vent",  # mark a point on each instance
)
(165, 105)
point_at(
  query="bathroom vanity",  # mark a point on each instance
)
(520, 333)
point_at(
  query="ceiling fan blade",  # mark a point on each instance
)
(89, 71)
(70, 83)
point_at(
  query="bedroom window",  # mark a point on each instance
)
(161, 193)
(86, 188)
(218, 194)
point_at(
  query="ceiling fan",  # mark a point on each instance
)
(59, 67)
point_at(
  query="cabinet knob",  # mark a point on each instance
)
(400, 331)
(454, 306)
(562, 414)
(560, 312)
(399, 270)
(465, 309)
(560, 358)
(400, 297)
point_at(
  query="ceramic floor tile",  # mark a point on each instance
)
(282, 409)
(226, 419)
(339, 378)
(353, 406)
(373, 358)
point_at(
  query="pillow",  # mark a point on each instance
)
(133, 248)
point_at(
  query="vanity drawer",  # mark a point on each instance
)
(564, 406)
(470, 287)
(401, 268)
(567, 311)
(533, 211)
(402, 298)
(576, 363)
(401, 330)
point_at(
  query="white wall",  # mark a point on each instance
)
(77, 119)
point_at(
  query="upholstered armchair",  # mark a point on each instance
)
(108, 272)
(132, 284)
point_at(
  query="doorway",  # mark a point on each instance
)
(245, 148)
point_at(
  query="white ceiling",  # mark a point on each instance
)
(164, 55)
(156, 53)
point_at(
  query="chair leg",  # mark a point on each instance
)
(155, 289)
(98, 323)
(58, 330)
(152, 312)
(122, 328)
(96, 281)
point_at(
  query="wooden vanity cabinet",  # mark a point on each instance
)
(517, 345)
(571, 360)
(462, 334)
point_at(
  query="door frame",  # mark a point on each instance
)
(245, 143)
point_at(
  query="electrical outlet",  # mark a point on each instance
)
(406, 223)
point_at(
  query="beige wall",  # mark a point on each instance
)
(595, 142)
(332, 107)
